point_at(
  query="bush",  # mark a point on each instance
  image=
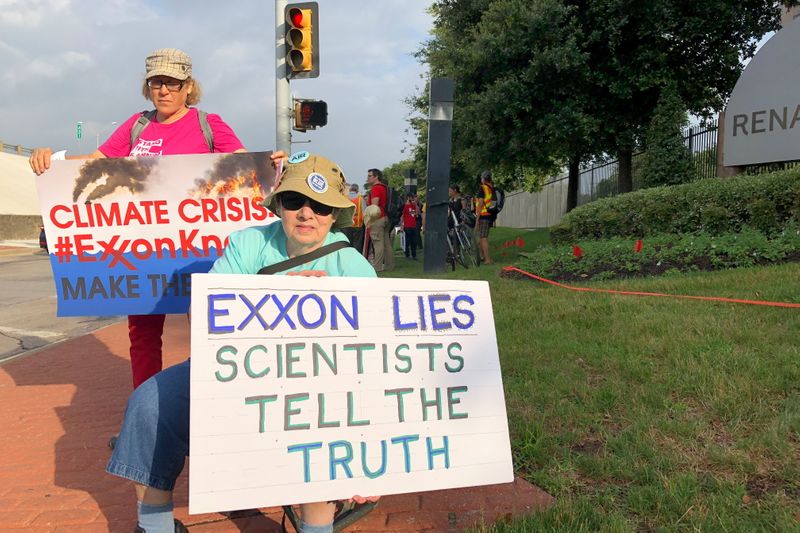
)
(715, 206)
(667, 160)
(666, 253)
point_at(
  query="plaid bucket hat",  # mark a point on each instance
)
(168, 62)
(318, 178)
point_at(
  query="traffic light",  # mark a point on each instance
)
(310, 114)
(302, 40)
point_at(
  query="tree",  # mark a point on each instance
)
(635, 48)
(511, 61)
(396, 175)
(667, 160)
(546, 83)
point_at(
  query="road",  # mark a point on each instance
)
(28, 318)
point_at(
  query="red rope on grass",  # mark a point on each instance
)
(637, 293)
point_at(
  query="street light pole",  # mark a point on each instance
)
(440, 139)
(97, 136)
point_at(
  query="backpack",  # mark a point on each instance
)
(394, 207)
(498, 201)
(145, 117)
(468, 217)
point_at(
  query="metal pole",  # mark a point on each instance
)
(97, 135)
(440, 139)
(283, 95)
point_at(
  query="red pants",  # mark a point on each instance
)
(145, 332)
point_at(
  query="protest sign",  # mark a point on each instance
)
(125, 234)
(315, 389)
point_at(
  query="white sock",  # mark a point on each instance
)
(156, 518)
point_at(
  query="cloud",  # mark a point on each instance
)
(29, 14)
(83, 61)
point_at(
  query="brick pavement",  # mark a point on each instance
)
(60, 405)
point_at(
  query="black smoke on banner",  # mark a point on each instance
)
(243, 165)
(130, 174)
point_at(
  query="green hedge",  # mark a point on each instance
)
(714, 206)
(616, 257)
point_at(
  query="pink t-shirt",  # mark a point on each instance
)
(182, 137)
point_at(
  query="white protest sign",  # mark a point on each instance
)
(315, 389)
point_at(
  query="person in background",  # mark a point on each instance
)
(379, 230)
(482, 201)
(154, 440)
(176, 127)
(454, 205)
(355, 234)
(419, 222)
(410, 212)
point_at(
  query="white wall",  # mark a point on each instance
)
(535, 210)
(18, 187)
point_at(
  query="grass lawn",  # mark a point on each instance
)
(650, 414)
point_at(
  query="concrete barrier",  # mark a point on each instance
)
(19, 227)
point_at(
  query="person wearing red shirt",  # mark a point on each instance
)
(410, 212)
(379, 229)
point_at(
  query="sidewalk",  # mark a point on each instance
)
(62, 403)
(19, 248)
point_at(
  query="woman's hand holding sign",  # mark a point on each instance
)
(309, 273)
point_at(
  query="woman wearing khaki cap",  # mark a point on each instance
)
(311, 202)
(173, 127)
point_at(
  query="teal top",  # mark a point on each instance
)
(251, 249)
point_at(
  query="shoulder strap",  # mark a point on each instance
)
(206, 128)
(145, 117)
(305, 258)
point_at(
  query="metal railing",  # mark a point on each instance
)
(602, 180)
(547, 206)
(14, 149)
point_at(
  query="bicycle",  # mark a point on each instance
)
(465, 239)
(459, 244)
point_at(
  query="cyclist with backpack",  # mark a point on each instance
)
(483, 204)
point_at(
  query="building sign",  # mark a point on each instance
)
(762, 119)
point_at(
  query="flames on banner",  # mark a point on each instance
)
(244, 174)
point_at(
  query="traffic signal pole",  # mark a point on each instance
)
(283, 95)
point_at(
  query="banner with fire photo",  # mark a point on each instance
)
(125, 235)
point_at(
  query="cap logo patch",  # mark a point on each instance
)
(299, 157)
(317, 182)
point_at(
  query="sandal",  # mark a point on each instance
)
(346, 514)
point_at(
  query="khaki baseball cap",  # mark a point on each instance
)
(318, 178)
(168, 62)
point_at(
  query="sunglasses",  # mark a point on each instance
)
(294, 200)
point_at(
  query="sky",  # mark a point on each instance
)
(65, 61)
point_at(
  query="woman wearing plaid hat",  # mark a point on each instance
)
(173, 127)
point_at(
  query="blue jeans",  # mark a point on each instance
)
(154, 441)
(153, 444)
